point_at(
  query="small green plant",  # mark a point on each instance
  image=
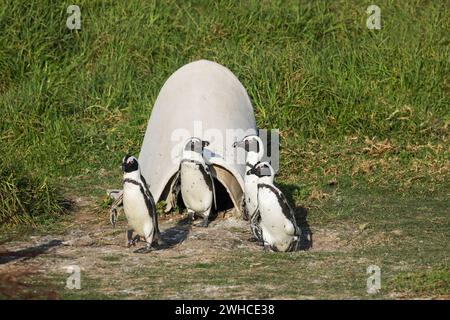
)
(24, 198)
(160, 206)
(105, 203)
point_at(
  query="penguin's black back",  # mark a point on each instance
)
(150, 202)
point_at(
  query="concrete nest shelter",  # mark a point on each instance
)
(202, 99)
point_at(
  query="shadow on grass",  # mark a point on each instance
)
(28, 253)
(301, 215)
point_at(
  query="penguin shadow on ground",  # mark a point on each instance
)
(301, 215)
(174, 235)
(28, 253)
(177, 234)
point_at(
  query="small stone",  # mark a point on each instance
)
(84, 241)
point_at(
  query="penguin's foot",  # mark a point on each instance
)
(203, 224)
(148, 248)
(257, 241)
(157, 239)
(132, 242)
(158, 242)
(267, 247)
(190, 217)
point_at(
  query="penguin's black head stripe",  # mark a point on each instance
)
(260, 170)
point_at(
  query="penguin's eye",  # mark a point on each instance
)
(192, 145)
(247, 146)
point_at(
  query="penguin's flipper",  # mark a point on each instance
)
(116, 206)
(151, 206)
(245, 214)
(209, 173)
(113, 217)
(255, 225)
(291, 229)
(175, 187)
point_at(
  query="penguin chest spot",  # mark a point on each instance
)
(251, 193)
(277, 229)
(195, 190)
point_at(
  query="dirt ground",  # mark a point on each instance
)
(92, 244)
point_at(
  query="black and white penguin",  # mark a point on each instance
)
(139, 206)
(274, 221)
(254, 148)
(196, 181)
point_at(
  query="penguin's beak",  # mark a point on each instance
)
(239, 144)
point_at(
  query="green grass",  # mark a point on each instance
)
(74, 101)
(25, 199)
(436, 280)
(112, 258)
(361, 112)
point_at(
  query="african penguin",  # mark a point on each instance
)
(196, 181)
(138, 205)
(274, 221)
(254, 148)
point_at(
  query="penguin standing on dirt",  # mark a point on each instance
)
(274, 221)
(254, 148)
(139, 206)
(196, 181)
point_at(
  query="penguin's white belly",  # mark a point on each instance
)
(277, 230)
(251, 194)
(136, 211)
(196, 194)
